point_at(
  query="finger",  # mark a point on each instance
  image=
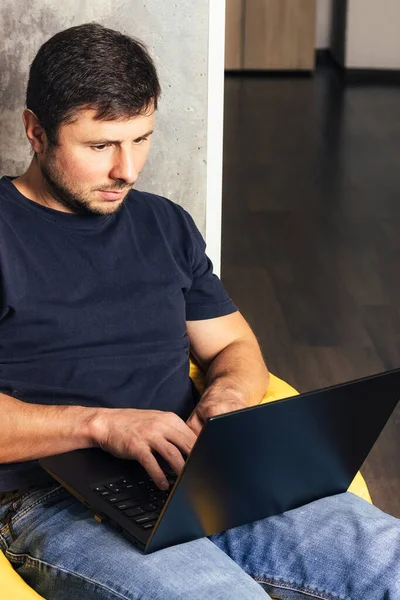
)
(148, 461)
(179, 434)
(185, 431)
(171, 454)
(174, 437)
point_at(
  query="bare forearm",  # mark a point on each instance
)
(241, 370)
(31, 431)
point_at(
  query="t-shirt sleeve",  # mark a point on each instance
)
(207, 297)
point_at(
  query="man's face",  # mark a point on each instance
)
(96, 163)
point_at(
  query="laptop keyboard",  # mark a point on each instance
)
(140, 501)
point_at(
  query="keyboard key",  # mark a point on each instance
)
(121, 497)
(148, 507)
(128, 504)
(99, 488)
(146, 517)
(158, 496)
(124, 505)
(141, 519)
(133, 512)
(148, 525)
(105, 493)
(122, 482)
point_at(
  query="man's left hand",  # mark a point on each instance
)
(212, 404)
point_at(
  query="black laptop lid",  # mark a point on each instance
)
(268, 459)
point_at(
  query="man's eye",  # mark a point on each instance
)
(100, 147)
(140, 140)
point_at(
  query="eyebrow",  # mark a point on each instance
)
(106, 141)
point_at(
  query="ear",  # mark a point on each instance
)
(34, 131)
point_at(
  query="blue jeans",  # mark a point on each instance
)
(335, 548)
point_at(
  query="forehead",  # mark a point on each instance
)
(85, 125)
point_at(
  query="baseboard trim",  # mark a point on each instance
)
(260, 73)
(323, 58)
(373, 76)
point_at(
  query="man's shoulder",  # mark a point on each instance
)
(152, 201)
(159, 207)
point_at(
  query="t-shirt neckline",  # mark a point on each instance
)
(51, 214)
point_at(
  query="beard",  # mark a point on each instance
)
(71, 197)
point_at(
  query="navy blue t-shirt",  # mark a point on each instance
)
(93, 308)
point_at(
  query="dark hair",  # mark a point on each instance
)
(90, 66)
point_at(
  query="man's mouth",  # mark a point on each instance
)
(112, 195)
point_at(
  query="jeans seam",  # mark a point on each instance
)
(22, 514)
(318, 594)
(3, 541)
(35, 562)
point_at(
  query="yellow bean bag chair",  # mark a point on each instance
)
(13, 587)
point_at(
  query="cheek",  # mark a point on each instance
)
(85, 170)
(143, 157)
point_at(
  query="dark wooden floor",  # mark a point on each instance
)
(310, 240)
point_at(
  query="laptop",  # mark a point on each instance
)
(245, 465)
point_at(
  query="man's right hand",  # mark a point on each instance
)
(136, 434)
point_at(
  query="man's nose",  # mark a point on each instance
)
(124, 168)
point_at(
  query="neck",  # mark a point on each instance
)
(32, 185)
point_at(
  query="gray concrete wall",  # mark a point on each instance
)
(176, 34)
